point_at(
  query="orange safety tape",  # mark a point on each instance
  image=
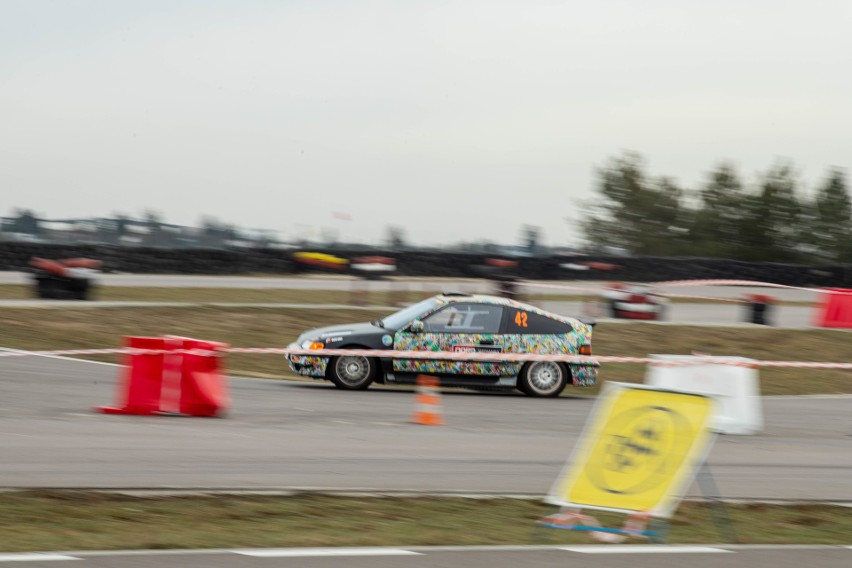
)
(438, 355)
(687, 283)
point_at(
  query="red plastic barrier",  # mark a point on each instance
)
(204, 391)
(166, 383)
(60, 267)
(81, 263)
(835, 310)
(50, 266)
(141, 379)
(501, 263)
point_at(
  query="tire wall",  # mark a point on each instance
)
(16, 256)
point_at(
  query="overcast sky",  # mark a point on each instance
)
(457, 120)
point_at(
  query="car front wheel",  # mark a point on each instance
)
(352, 372)
(543, 379)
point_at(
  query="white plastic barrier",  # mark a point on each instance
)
(735, 387)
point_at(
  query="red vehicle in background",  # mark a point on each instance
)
(635, 301)
(66, 279)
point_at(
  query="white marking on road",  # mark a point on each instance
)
(640, 549)
(59, 357)
(412, 551)
(305, 552)
(810, 396)
(33, 557)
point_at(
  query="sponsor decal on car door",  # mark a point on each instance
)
(460, 328)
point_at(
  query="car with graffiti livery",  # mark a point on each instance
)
(458, 323)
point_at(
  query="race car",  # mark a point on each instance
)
(635, 301)
(460, 323)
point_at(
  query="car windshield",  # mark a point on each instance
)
(402, 317)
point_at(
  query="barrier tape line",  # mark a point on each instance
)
(440, 355)
(754, 283)
(688, 283)
(599, 292)
(711, 298)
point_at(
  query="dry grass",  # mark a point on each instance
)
(763, 343)
(76, 520)
(90, 521)
(41, 328)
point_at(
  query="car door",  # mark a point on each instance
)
(459, 327)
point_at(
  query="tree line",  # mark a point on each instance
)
(773, 218)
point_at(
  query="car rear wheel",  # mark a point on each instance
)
(352, 372)
(543, 379)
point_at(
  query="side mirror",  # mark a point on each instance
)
(416, 326)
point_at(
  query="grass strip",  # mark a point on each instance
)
(76, 520)
(70, 328)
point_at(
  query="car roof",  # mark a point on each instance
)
(455, 297)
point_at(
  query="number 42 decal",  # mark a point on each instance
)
(521, 319)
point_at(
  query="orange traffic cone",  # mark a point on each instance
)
(427, 400)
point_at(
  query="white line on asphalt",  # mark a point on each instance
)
(414, 550)
(807, 396)
(33, 557)
(59, 357)
(640, 548)
(305, 552)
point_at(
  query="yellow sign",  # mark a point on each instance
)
(639, 451)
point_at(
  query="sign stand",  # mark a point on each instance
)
(707, 484)
(571, 519)
(640, 450)
(657, 531)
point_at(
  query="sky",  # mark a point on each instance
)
(453, 120)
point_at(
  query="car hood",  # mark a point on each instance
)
(359, 329)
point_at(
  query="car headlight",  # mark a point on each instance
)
(311, 344)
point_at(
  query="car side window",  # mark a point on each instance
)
(522, 321)
(464, 318)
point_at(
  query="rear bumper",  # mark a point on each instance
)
(637, 311)
(584, 375)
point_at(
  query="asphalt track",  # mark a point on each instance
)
(724, 314)
(594, 556)
(293, 436)
(296, 435)
(420, 284)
